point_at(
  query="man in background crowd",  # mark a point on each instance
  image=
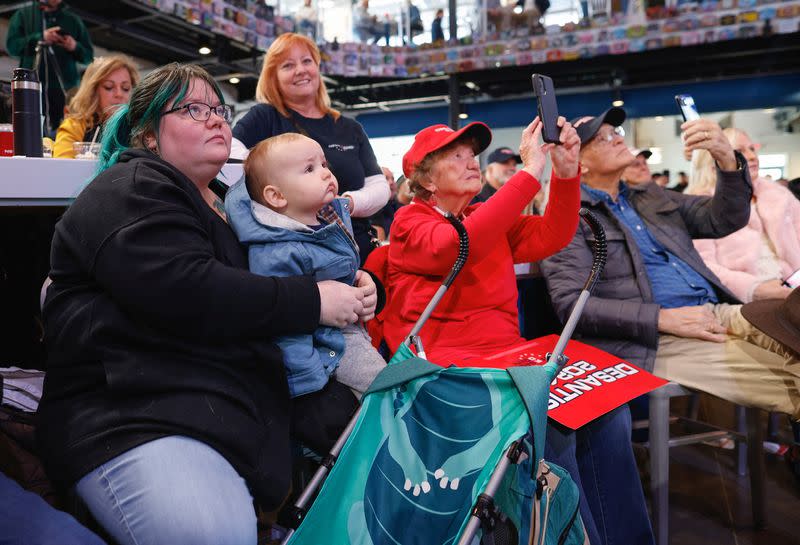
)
(639, 171)
(501, 166)
(683, 181)
(412, 18)
(306, 17)
(437, 34)
(63, 32)
(661, 178)
(366, 26)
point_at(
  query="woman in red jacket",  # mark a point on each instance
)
(478, 315)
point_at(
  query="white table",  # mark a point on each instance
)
(29, 181)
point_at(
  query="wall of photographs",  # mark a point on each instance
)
(257, 25)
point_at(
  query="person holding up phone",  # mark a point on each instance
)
(657, 304)
(66, 33)
(480, 309)
(758, 261)
(478, 315)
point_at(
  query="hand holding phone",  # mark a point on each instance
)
(547, 108)
(688, 107)
(51, 35)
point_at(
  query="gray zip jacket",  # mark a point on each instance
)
(621, 317)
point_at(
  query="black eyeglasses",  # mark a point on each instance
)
(201, 111)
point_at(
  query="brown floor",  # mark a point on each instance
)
(710, 503)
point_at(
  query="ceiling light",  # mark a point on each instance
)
(618, 103)
(204, 50)
(463, 115)
(234, 80)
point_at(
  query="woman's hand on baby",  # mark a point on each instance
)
(340, 304)
(533, 154)
(366, 284)
(565, 156)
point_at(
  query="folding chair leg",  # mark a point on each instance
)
(755, 461)
(693, 410)
(659, 465)
(741, 446)
(773, 424)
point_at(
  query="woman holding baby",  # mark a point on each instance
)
(166, 406)
(294, 99)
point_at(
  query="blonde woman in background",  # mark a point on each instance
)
(753, 261)
(106, 84)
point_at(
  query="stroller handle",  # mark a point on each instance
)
(461, 259)
(600, 247)
(556, 359)
(463, 248)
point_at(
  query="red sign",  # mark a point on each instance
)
(591, 384)
(6, 140)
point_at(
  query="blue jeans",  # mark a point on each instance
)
(26, 519)
(600, 460)
(172, 490)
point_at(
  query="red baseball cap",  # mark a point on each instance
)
(436, 137)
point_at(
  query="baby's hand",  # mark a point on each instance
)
(370, 301)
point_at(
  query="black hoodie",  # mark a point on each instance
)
(155, 327)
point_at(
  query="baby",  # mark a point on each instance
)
(287, 212)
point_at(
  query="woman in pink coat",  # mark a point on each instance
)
(753, 261)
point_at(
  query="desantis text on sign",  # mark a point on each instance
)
(580, 377)
(592, 383)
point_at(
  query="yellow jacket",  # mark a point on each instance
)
(71, 130)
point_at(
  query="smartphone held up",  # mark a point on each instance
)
(547, 108)
(688, 107)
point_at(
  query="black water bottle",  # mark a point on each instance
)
(26, 105)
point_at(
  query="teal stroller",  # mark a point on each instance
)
(445, 456)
